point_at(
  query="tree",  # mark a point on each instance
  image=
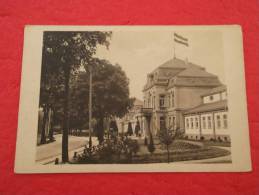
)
(110, 92)
(167, 137)
(113, 128)
(137, 128)
(130, 131)
(63, 54)
(151, 147)
(145, 141)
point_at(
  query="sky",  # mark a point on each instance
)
(140, 52)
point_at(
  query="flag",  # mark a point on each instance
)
(180, 39)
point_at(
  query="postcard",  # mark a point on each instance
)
(132, 99)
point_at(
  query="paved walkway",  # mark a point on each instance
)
(47, 153)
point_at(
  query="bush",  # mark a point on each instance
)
(130, 130)
(110, 151)
(212, 139)
(219, 139)
(145, 141)
(151, 147)
(201, 138)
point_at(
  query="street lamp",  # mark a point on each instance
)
(90, 105)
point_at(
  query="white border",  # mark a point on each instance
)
(29, 98)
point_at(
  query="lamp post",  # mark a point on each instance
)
(90, 106)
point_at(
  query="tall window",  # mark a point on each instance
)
(204, 122)
(154, 102)
(169, 121)
(172, 99)
(209, 122)
(191, 123)
(162, 123)
(169, 101)
(225, 121)
(218, 122)
(187, 123)
(197, 122)
(162, 101)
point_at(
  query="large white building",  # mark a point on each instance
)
(209, 120)
(133, 116)
(182, 95)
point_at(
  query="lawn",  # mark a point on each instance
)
(180, 150)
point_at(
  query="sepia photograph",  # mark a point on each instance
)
(133, 97)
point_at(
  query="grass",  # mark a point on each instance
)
(211, 143)
(180, 150)
(197, 154)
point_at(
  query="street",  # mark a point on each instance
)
(47, 153)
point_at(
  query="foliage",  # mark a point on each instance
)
(166, 137)
(116, 150)
(63, 54)
(151, 147)
(145, 141)
(113, 129)
(137, 128)
(110, 94)
(130, 130)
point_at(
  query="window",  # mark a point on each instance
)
(218, 122)
(169, 101)
(197, 122)
(154, 103)
(225, 121)
(169, 121)
(162, 101)
(211, 97)
(172, 99)
(191, 123)
(162, 123)
(204, 122)
(187, 123)
(174, 124)
(209, 122)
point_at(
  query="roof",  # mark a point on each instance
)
(215, 90)
(195, 72)
(177, 72)
(220, 105)
(178, 64)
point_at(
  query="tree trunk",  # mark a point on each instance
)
(43, 129)
(168, 154)
(100, 130)
(51, 138)
(66, 117)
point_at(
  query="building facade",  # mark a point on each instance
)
(133, 116)
(172, 93)
(209, 120)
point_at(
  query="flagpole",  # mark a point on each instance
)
(174, 48)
